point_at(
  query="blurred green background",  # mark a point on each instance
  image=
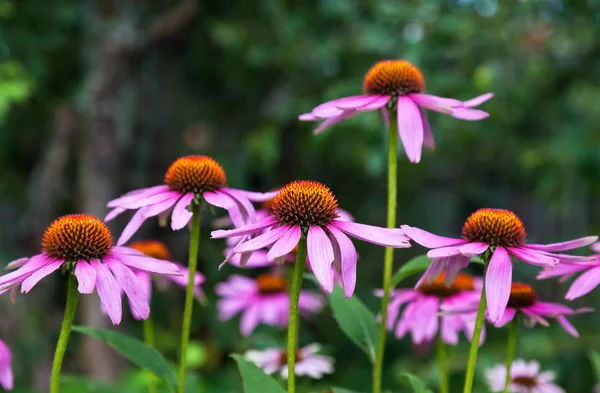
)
(98, 97)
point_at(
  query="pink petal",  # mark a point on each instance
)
(258, 196)
(331, 121)
(320, 253)
(564, 246)
(387, 237)
(132, 227)
(443, 252)
(399, 298)
(435, 103)
(428, 140)
(114, 213)
(307, 117)
(410, 128)
(245, 230)
(564, 322)
(596, 247)
(262, 241)
(250, 319)
(509, 315)
(35, 263)
(142, 201)
(181, 215)
(156, 209)
(498, 283)
(455, 264)
(473, 102)
(286, 243)
(224, 201)
(348, 258)
(109, 291)
(377, 104)
(429, 240)
(584, 284)
(469, 114)
(426, 320)
(433, 271)
(472, 249)
(358, 102)
(147, 264)
(86, 277)
(17, 263)
(386, 116)
(532, 257)
(137, 195)
(130, 284)
(239, 197)
(48, 269)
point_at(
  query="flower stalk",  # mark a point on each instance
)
(148, 332)
(65, 331)
(442, 358)
(292, 338)
(479, 321)
(511, 349)
(189, 295)
(389, 252)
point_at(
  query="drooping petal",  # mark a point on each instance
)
(473, 102)
(258, 196)
(181, 215)
(564, 246)
(48, 269)
(426, 320)
(377, 104)
(35, 263)
(286, 243)
(138, 201)
(429, 240)
(320, 253)
(130, 284)
(428, 140)
(114, 213)
(244, 204)
(444, 252)
(410, 128)
(386, 116)
(17, 263)
(454, 265)
(132, 227)
(156, 209)
(387, 237)
(532, 257)
(497, 283)
(433, 271)
(109, 291)
(86, 277)
(359, 102)
(509, 315)
(595, 247)
(262, 241)
(348, 257)
(584, 284)
(568, 326)
(249, 319)
(472, 249)
(469, 114)
(334, 120)
(138, 198)
(246, 229)
(224, 201)
(146, 264)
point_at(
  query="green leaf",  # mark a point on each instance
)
(418, 386)
(254, 379)
(74, 384)
(416, 265)
(342, 390)
(134, 350)
(595, 359)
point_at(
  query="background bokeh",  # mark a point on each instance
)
(98, 97)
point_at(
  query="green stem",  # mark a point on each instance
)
(148, 330)
(189, 295)
(479, 321)
(511, 348)
(389, 252)
(65, 331)
(442, 357)
(293, 325)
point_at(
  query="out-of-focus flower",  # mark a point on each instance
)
(501, 234)
(425, 305)
(264, 299)
(82, 245)
(308, 208)
(525, 377)
(398, 86)
(188, 180)
(6, 373)
(524, 300)
(308, 362)
(585, 283)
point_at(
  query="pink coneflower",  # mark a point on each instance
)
(188, 179)
(525, 378)
(524, 300)
(159, 250)
(589, 279)
(307, 361)
(421, 316)
(308, 208)
(6, 374)
(264, 299)
(398, 86)
(82, 245)
(499, 234)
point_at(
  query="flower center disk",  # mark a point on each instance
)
(495, 227)
(463, 282)
(528, 382)
(269, 284)
(393, 78)
(77, 237)
(283, 357)
(152, 248)
(305, 203)
(521, 295)
(195, 174)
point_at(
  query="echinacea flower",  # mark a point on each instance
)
(6, 374)
(82, 245)
(309, 208)
(585, 283)
(308, 362)
(158, 250)
(525, 377)
(500, 234)
(524, 300)
(264, 299)
(398, 86)
(422, 314)
(188, 180)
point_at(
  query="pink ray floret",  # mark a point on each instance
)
(6, 373)
(525, 377)
(308, 362)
